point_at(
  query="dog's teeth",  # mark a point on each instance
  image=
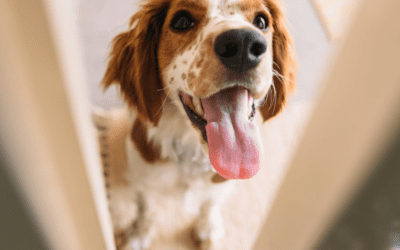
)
(249, 106)
(248, 103)
(189, 102)
(198, 107)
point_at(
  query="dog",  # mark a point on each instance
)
(200, 77)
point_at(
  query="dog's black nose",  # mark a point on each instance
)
(240, 49)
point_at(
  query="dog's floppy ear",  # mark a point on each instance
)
(133, 62)
(285, 66)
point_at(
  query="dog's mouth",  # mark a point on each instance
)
(224, 120)
(194, 110)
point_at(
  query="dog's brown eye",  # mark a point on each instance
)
(182, 21)
(261, 22)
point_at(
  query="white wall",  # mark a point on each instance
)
(99, 22)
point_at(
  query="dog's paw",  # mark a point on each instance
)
(138, 243)
(210, 235)
(210, 227)
(211, 240)
(211, 245)
(136, 237)
(210, 231)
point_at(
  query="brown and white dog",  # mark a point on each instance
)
(194, 73)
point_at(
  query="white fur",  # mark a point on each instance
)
(188, 174)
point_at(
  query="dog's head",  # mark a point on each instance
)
(218, 61)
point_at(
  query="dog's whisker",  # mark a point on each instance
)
(163, 88)
(280, 76)
(275, 95)
(166, 97)
(190, 83)
(277, 65)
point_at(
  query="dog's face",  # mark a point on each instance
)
(218, 61)
(206, 46)
(209, 45)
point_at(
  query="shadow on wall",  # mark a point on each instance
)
(372, 220)
(17, 231)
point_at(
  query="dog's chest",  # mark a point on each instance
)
(187, 166)
(187, 179)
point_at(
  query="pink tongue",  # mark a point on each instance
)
(233, 141)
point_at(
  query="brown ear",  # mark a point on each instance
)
(285, 66)
(133, 62)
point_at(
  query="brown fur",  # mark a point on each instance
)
(249, 7)
(149, 151)
(133, 62)
(174, 42)
(284, 63)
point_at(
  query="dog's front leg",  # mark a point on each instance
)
(210, 228)
(140, 234)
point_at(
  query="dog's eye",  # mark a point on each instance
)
(182, 21)
(261, 22)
